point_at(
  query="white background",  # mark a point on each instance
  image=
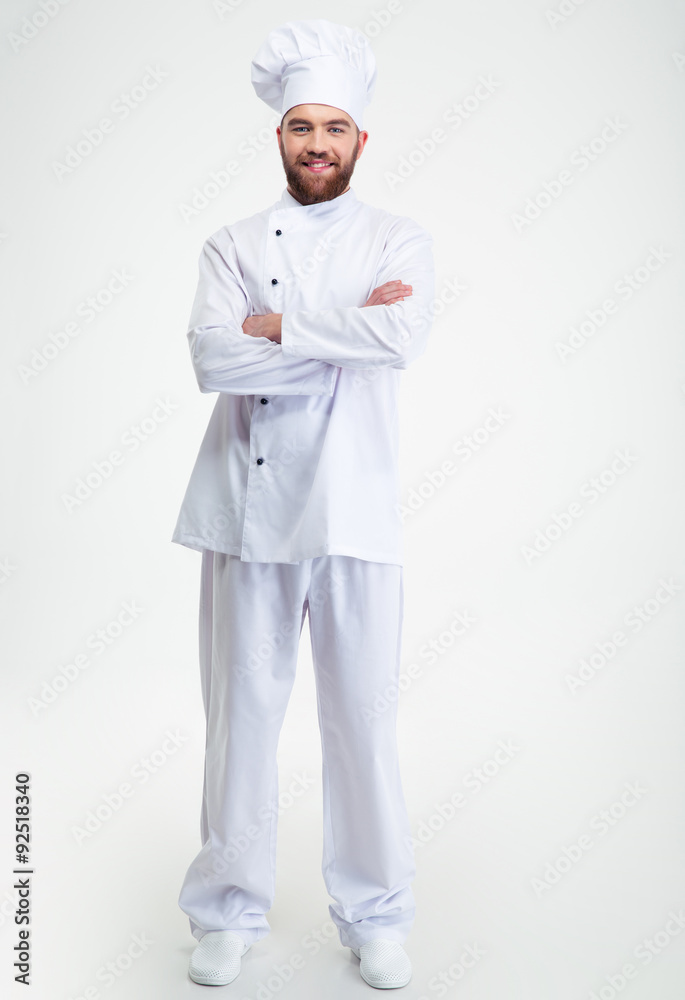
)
(495, 873)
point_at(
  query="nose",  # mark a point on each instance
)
(318, 142)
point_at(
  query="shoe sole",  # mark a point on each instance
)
(215, 981)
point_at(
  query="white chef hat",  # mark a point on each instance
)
(315, 62)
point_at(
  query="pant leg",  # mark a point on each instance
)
(251, 617)
(355, 621)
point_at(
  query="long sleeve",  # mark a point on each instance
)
(372, 336)
(313, 471)
(226, 359)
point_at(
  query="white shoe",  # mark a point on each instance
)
(384, 964)
(216, 960)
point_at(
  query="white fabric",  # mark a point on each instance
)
(251, 616)
(216, 959)
(328, 431)
(315, 62)
(384, 964)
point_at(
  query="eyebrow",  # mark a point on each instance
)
(305, 121)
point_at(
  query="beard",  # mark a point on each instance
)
(309, 189)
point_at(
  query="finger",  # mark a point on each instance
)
(388, 292)
(394, 296)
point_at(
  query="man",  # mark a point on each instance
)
(304, 316)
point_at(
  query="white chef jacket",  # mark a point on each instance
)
(300, 457)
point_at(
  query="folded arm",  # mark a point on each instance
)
(379, 335)
(269, 324)
(225, 358)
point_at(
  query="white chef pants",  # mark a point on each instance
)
(251, 617)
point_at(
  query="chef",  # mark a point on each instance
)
(304, 318)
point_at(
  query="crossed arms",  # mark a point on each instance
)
(298, 352)
(269, 325)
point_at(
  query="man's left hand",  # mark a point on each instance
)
(268, 326)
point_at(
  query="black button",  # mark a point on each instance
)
(279, 232)
(263, 400)
(274, 281)
(260, 461)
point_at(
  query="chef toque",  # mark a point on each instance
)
(315, 62)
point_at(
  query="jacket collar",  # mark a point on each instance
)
(322, 210)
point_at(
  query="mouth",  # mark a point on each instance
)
(317, 166)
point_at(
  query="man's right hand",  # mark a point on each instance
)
(385, 295)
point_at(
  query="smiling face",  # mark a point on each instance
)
(319, 147)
